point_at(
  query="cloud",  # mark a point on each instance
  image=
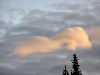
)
(94, 32)
(37, 44)
(71, 38)
(47, 23)
(75, 38)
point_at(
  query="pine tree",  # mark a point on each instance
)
(65, 72)
(75, 66)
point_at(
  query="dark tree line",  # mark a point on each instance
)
(75, 67)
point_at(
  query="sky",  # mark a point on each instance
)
(39, 37)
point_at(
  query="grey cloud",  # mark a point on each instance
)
(80, 11)
(3, 24)
(38, 21)
(50, 64)
(47, 23)
(43, 18)
(24, 31)
(58, 19)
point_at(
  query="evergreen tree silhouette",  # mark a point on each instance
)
(65, 72)
(75, 66)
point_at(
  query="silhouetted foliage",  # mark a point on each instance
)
(75, 66)
(65, 72)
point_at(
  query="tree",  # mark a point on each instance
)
(75, 66)
(65, 72)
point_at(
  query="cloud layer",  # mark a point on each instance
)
(23, 20)
(71, 38)
(94, 32)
